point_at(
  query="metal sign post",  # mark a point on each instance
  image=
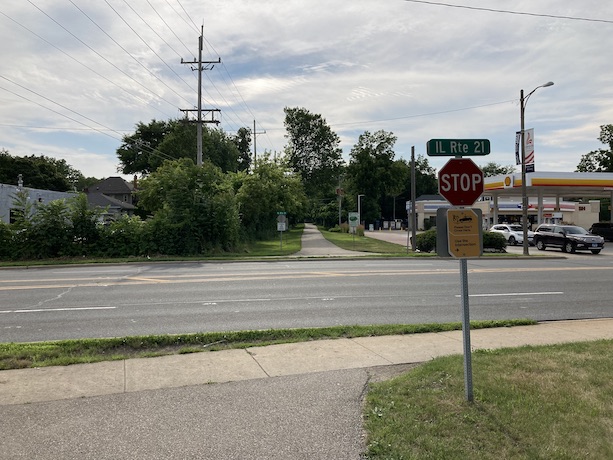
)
(468, 367)
(281, 225)
(459, 230)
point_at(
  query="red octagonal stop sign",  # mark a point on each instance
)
(460, 181)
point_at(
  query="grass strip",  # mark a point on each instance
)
(530, 402)
(366, 244)
(65, 352)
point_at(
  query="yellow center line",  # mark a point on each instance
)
(218, 278)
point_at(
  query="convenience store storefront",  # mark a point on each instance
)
(553, 197)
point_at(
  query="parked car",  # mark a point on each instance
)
(604, 229)
(569, 238)
(513, 233)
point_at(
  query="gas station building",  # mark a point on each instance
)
(553, 197)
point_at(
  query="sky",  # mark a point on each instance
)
(76, 75)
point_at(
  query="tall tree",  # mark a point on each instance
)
(242, 140)
(151, 144)
(313, 151)
(373, 173)
(40, 172)
(600, 160)
(260, 195)
(194, 208)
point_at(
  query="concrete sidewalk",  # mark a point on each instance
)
(24, 386)
(315, 245)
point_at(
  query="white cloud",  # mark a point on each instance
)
(413, 65)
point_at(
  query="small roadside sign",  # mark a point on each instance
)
(354, 219)
(464, 233)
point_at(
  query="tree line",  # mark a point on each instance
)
(185, 209)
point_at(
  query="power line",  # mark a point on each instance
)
(166, 24)
(148, 46)
(101, 56)
(425, 114)
(523, 13)
(89, 68)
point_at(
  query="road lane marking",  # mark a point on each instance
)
(510, 294)
(38, 310)
(241, 277)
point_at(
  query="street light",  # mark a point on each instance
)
(524, 193)
(359, 212)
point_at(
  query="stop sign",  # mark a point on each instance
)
(460, 181)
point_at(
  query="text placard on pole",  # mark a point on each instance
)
(457, 147)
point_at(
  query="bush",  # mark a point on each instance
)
(494, 240)
(426, 241)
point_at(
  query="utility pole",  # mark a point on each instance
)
(199, 120)
(255, 148)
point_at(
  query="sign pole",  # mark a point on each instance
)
(461, 183)
(468, 369)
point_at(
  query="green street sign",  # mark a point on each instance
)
(281, 213)
(457, 147)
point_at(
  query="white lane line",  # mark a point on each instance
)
(37, 310)
(510, 294)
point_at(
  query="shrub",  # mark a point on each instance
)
(426, 241)
(494, 240)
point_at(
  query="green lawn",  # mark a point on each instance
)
(363, 243)
(551, 402)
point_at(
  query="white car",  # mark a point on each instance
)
(513, 233)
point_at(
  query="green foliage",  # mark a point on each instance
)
(194, 208)
(426, 241)
(6, 240)
(374, 173)
(494, 169)
(151, 144)
(64, 352)
(85, 228)
(494, 240)
(313, 152)
(600, 160)
(50, 232)
(260, 195)
(121, 238)
(39, 172)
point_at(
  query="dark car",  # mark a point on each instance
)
(604, 229)
(569, 238)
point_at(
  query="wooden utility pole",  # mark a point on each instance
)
(199, 120)
(255, 148)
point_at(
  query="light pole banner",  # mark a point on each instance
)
(517, 144)
(529, 146)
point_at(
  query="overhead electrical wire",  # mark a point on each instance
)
(87, 67)
(150, 48)
(523, 13)
(101, 56)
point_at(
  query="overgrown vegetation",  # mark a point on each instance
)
(530, 402)
(64, 352)
(192, 211)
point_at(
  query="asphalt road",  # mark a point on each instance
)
(119, 300)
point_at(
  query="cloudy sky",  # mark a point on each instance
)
(76, 75)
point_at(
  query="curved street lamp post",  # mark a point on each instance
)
(524, 193)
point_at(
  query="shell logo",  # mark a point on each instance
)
(508, 181)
